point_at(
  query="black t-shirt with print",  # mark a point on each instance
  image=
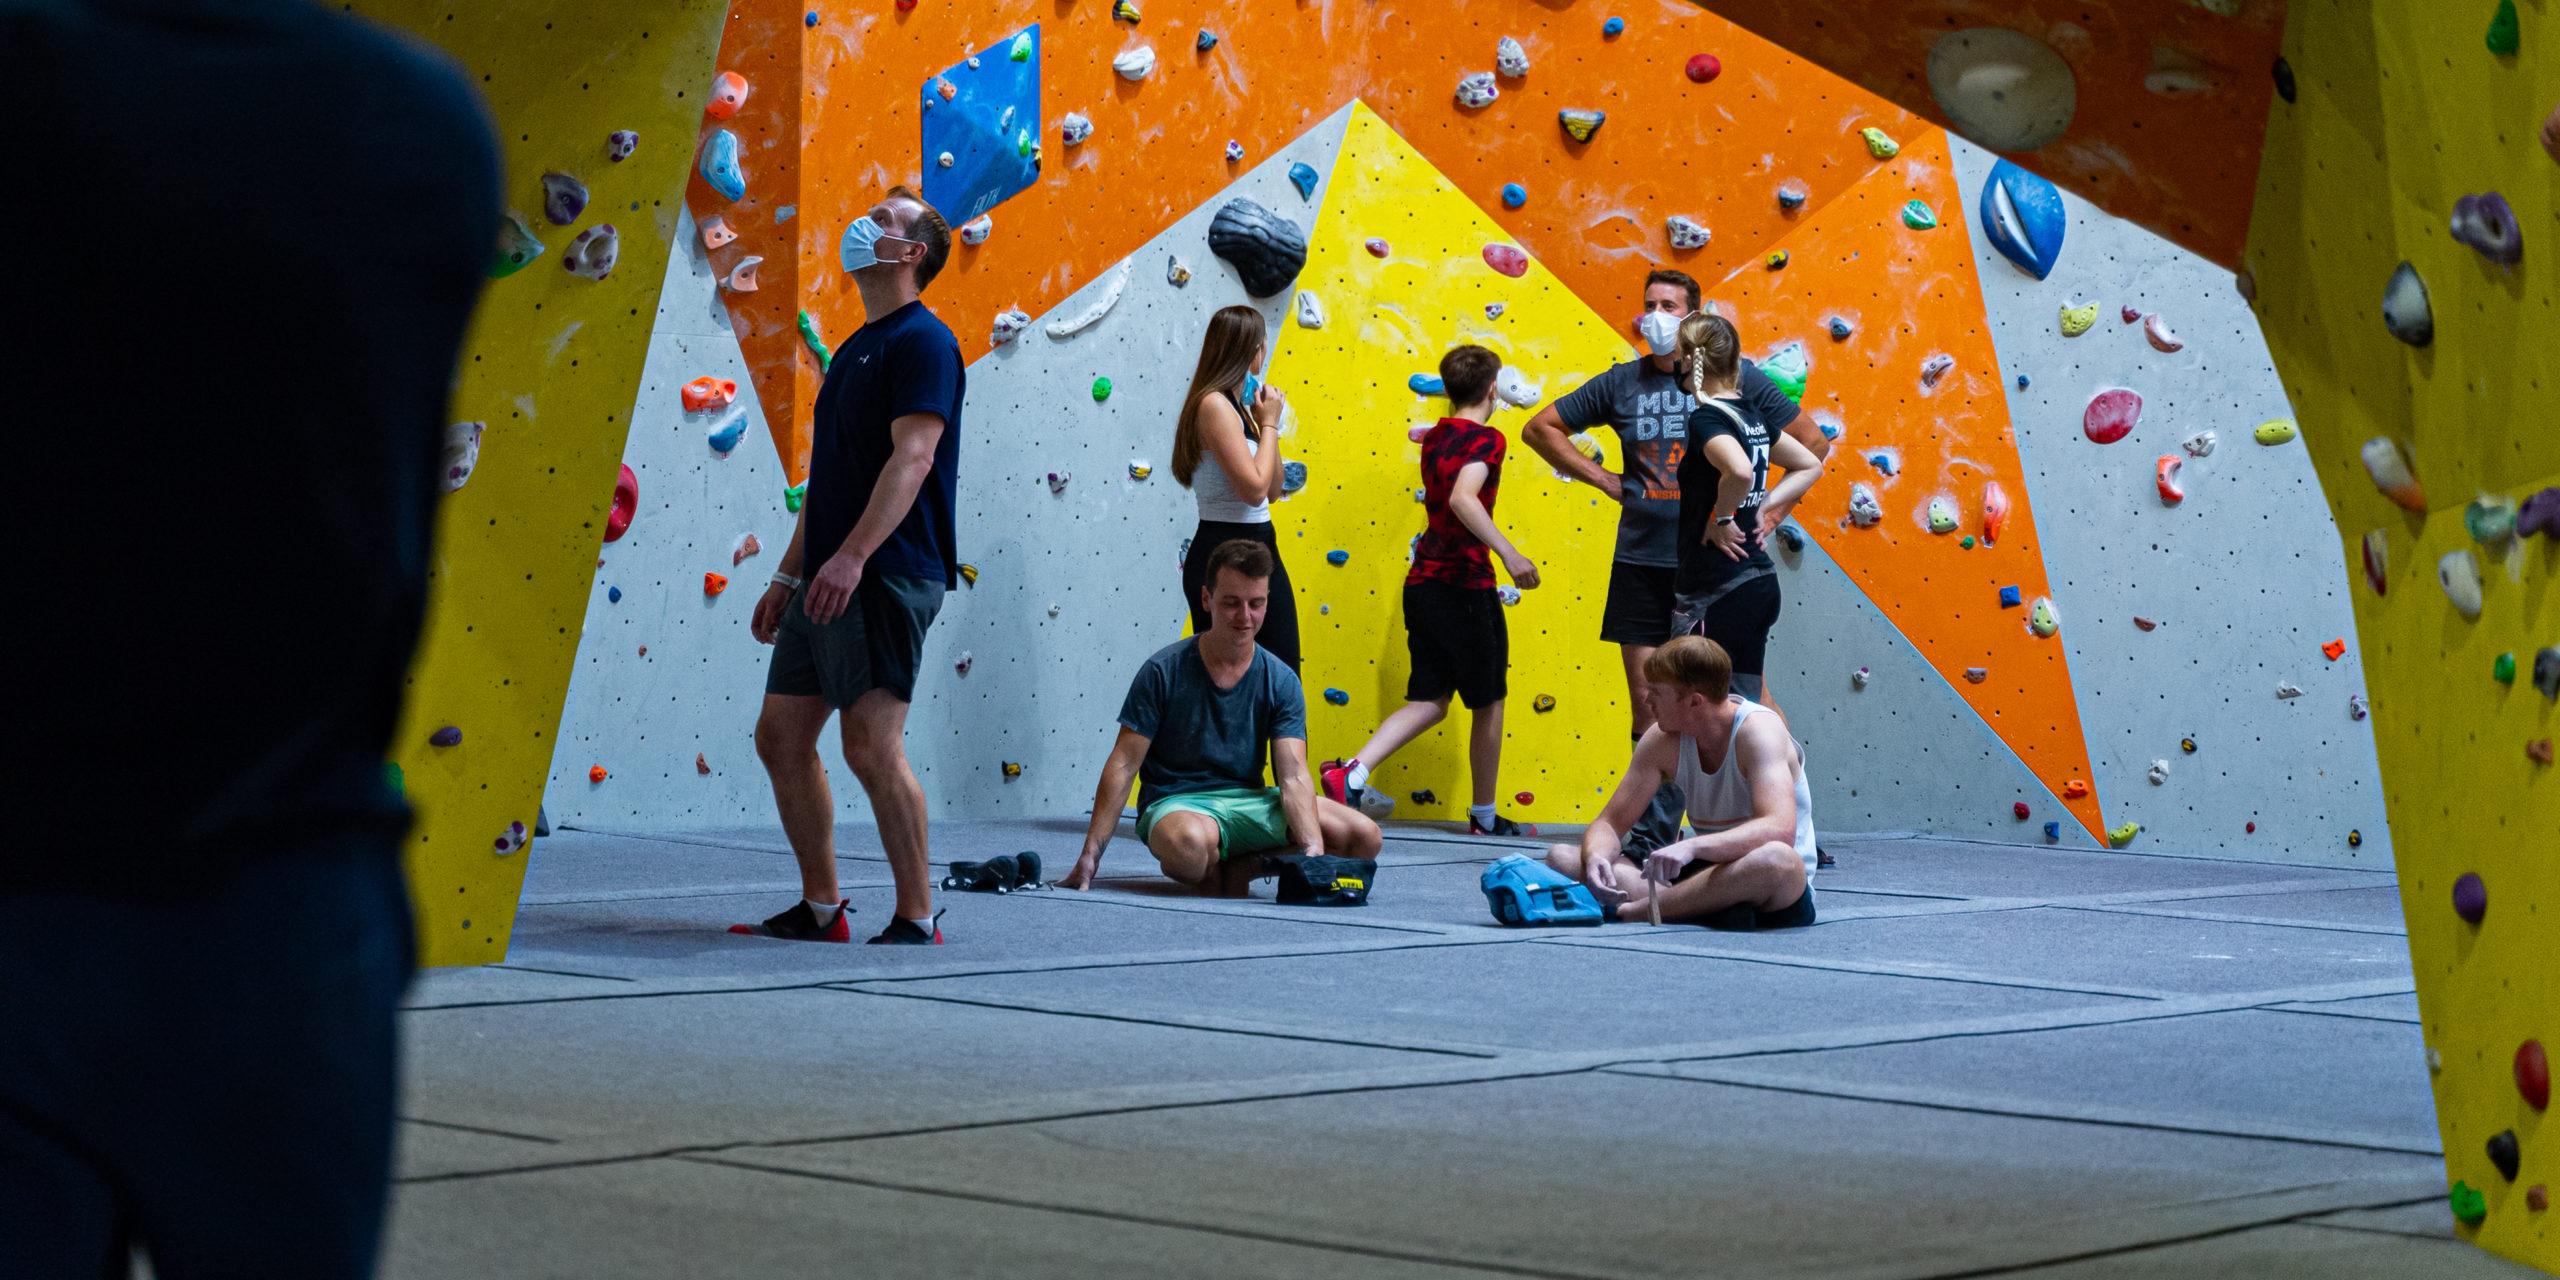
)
(1704, 568)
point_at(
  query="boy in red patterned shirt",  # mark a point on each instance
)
(1452, 610)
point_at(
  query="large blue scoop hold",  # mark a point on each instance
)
(2023, 215)
(1524, 891)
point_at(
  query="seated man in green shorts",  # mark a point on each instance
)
(1193, 732)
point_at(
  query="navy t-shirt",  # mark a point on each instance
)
(1204, 738)
(904, 362)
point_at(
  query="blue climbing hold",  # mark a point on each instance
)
(720, 165)
(726, 436)
(2022, 382)
(1831, 431)
(1514, 195)
(1305, 176)
(613, 595)
(1337, 697)
(1839, 329)
(2024, 217)
(1426, 384)
(1337, 556)
(1293, 476)
(2009, 598)
(1614, 27)
(1208, 40)
(2053, 831)
(811, 20)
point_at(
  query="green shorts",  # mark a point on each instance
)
(1249, 820)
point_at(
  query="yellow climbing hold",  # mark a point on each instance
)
(1878, 144)
(2076, 320)
(2275, 431)
(2123, 835)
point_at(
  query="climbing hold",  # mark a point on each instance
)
(563, 198)
(2121, 835)
(2490, 519)
(626, 503)
(2041, 618)
(1011, 769)
(2540, 514)
(1840, 329)
(2156, 331)
(1918, 216)
(2077, 320)
(969, 572)
(2144, 623)
(1337, 557)
(713, 584)
(1516, 390)
(1477, 90)
(1267, 250)
(1304, 175)
(1525, 798)
(1509, 595)
(1995, 513)
(1135, 64)
(1293, 476)
(2111, 415)
(1887, 461)
(1942, 515)
(2546, 673)
(2274, 431)
(728, 93)
(1864, 511)
(2200, 445)
(1789, 539)
(512, 837)
(2076, 789)
(2502, 1148)
(1425, 384)
(1704, 67)
(2538, 751)
(1687, 232)
(2486, 223)
(2355, 707)
(2459, 574)
(1310, 310)
(2537, 1197)
(1376, 246)
(517, 245)
(2533, 1075)
(2187, 745)
(1125, 10)
(2405, 311)
(2020, 810)
(747, 546)
(1510, 59)
(1777, 260)
(1507, 259)
(1580, 124)
(1858, 678)
(2009, 598)
(2003, 89)
(1058, 480)
(613, 595)
(2334, 649)
(2053, 831)
(1935, 367)
(1092, 315)
(2023, 216)
(2159, 773)
(596, 773)
(619, 144)
(461, 453)
(2167, 477)
(1965, 542)
(2470, 897)
(742, 277)
(1543, 704)
(716, 232)
(2287, 690)
(1879, 145)
(1205, 41)
(701, 765)
(2503, 668)
(1514, 195)
(1789, 367)
(2469, 1206)
(1140, 468)
(795, 495)
(594, 252)
(1101, 390)
(719, 165)
(1494, 310)
(724, 437)
(2503, 40)
(2551, 135)
(1976, 675)
(1792, 195)
(2283, 73)
(1053, 611)
(976, 232)
(1613, 28)
(707, 392)
(1337, 697)
(1007, 325)
(1235, 151)
(448, 736)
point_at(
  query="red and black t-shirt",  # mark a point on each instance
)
(1446, 552)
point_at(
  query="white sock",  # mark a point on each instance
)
(925, 924)
(1483, 814)
(1358, 778)
(824, 911)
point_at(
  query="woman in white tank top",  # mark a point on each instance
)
(1226, 450)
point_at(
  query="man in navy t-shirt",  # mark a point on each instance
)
(846, 613)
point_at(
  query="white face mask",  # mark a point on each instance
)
(860, 247)
(1661, 331)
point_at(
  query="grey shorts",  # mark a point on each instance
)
(877, 643)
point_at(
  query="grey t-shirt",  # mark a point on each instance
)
(1204, 738)
(1650, 413)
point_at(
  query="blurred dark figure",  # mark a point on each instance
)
(250, 234)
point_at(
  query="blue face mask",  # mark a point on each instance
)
(1252, 386)
(861, 242)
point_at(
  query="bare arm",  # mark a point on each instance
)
(1297, 792)
(1248, 472)
(766, 621)
(1547, 435)
(1467, 504)
(1657, 754)
(913, 438)
(1118, 771)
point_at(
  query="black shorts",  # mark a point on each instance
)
(876, 643)
(1743, 917)
(1639, 606)
(1459, 644)
(1739, 621)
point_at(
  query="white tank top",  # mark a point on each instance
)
(1722, 799)
(1217, 495)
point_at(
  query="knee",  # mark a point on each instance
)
(873, 758)
(777, 747)
(1185, 855)
(1780, 860)
(1565, 858)
(1363, 839)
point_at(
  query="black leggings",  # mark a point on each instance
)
(1739, 620)
(1280, 623)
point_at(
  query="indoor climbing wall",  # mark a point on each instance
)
(547, 373)
(2407, 115)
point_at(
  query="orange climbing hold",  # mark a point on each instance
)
(2076, 789)
(713, 584)
(596, 773)
(728, 93)
(2335, 649)
(707, 392)
(2170, 493)
(700, 765)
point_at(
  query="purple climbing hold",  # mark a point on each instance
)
(2487, 224)
(448, 736)
(2470, 897)
(2540, 514)
(563, 198)
(619, 144)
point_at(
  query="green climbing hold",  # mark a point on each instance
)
(2469, 1206)
(394, 779)
(1021, 48)
(1788, 366)
(2504, 669)
(794, 496)
(1101, 390)
(2504, 36)
(1967, 544)
(817, 345)
(1879, 144)
(2120, 836)
(1918, 216)
(517, 245)
(2490, 519)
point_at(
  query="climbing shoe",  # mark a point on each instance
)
(1334, 777)
(1822, 857)
(800, 924)
(1004, 874)
(903, 932)
(1502, 826)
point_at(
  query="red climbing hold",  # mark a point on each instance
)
(2144, 623)
(2538, 1197)
(2170, 493)
(2111, 415)
(626, 503)
(2130, 315)
(596, 773)
(2253, 828)
(1705, 67)
(700, 765)
(1526, 798)
(1507, 259)
(707, 392)
(2076, 789)
(2020, 809)
(2538, 751)
(714, 583)
(2533, 1075)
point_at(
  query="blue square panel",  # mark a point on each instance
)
(984, 116)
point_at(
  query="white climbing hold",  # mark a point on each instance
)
(2355, 707)
(1478, 90)
(1942, 515)
(945, 160)
(1935, 368)
(511, 839)
(1075, 128)
(1508, 594)
(1101, 307)
(1058, 480)
(2159, 773)
(1053, 611)
(1864, 511)
(2178, 75)
(1007, 325)
(1687, 232)
(965, 661)
(2156, 331)
(2459, 574)
(1310, 310)
(2288, 689)
(1510, 59)
(2200, 445)
(461, 453)
(1135, 64)
(1859, 678)
(1516, 390)
(978, 231)
(742, 277)
(2388, 464)
(1494, 310)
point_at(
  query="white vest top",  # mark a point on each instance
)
(1217, 494)
(1722, 799)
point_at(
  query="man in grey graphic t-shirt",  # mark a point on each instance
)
(1642, 402)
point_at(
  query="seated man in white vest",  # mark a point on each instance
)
(1751, 864)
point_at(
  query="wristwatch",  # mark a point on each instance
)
(1725, 520)
(781, 579)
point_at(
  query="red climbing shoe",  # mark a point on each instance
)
(1335, 778)
(903, 932)
(800, 924)
(1502, 826)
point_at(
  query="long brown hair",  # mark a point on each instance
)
(1226, 355)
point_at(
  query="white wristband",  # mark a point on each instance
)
(781, 579)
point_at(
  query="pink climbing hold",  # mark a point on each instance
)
(1995, 512)
(1507, 259)
(2111, 415)
(747, 546)
(2156, 331)
(2021, 809)
(2144, 623)
(626, 503)
(2533, 1075)
(1377, 247)
(2170, 493)
(1705, 67)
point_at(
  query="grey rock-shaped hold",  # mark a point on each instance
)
(2405, 311)
(1267, 250)
(1293, 476)
(563, 198)
(2546, 671)
(2488, 224)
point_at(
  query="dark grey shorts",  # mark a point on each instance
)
(876, 644)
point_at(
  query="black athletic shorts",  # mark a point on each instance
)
(1739, 620)
(876, 643)
(1744, 917)
(1639, 606)
(1458, 642)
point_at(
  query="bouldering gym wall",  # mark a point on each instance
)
(2125, 540)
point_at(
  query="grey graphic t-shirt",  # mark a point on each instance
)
(1650, 413)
